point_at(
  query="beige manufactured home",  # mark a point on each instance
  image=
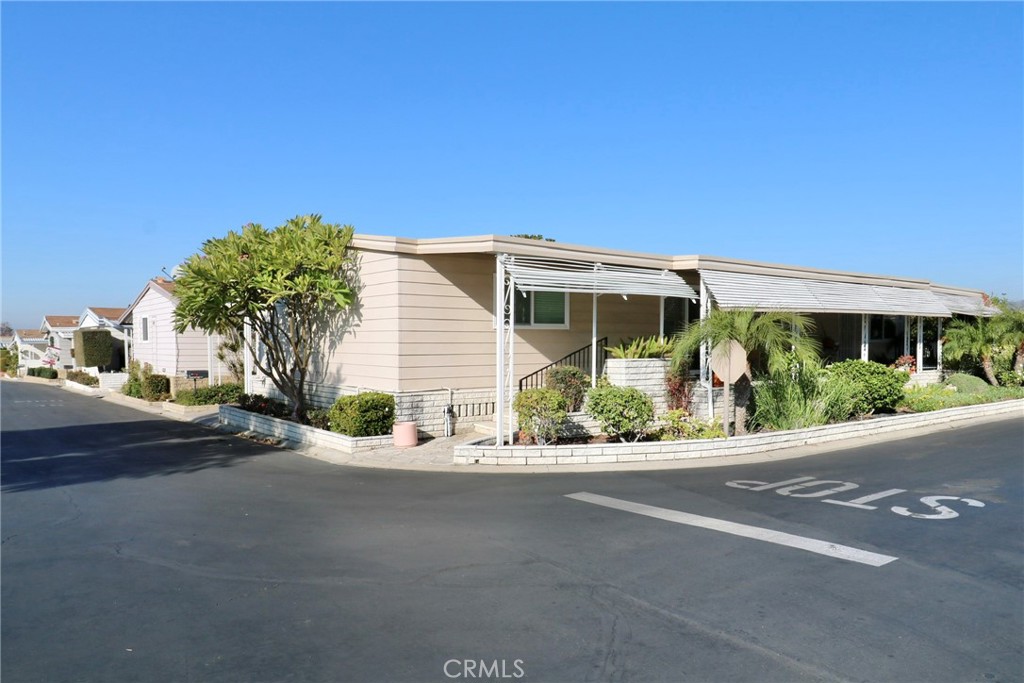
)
(425, 329)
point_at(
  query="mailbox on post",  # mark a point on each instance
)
(196, 375)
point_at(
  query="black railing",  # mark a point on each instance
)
(579, 358)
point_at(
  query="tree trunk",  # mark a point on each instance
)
(743, 391)
(1018, 362)
(990, 375)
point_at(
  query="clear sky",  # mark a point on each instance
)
(873, 137)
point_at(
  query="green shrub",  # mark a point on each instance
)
(369, 414)
(207, 396)
(571, 382)
(803, 397)
(1009, 378)
(937, 397)
(8, 361)
(93, 348)
(679, 425)
(878, 388)
(257, 403)
(541, 413)
(133, 385)
(42, 372)
(319, 418)
(967, 384)
(83, 378)
(642, 347)
(156, 387)
(625, 413)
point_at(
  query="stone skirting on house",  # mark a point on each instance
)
(425, 408)
(483, 452)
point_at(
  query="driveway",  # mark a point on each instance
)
(142, 549)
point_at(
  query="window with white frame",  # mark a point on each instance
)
(145, 329)
(542, 310)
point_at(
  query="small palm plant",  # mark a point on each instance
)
(779, 335)
(980, 338)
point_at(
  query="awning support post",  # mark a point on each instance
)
(593, 344)
(706, 377)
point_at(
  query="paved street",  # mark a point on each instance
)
(142, 549)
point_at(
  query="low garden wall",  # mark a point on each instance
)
(298, 434)
(483, 451)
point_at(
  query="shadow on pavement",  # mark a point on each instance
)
(64, 456)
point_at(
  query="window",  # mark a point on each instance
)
(145, 329)
(542, 309)
(677, 313)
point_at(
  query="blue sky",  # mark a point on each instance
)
(873, 137)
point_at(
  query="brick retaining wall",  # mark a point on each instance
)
(478, 452)
(293, 433)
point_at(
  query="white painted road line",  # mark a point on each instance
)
(841, 552)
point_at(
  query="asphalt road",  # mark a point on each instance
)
(141, 549)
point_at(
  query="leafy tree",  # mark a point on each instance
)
(979, 338)
(288, 284)
(6, 330)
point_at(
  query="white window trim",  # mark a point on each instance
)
(144, 328)
(542, 326)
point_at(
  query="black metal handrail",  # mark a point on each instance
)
(579, 358)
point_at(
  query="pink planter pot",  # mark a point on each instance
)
(405, 434)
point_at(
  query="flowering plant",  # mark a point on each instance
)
(906, 363)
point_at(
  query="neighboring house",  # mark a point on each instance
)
(32, 345)
(59, 331)
(424, 326)
(97, 317)
(6, 340)
(154, 340)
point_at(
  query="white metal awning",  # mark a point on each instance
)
(536, 274)
(967, 305)
(769, 292)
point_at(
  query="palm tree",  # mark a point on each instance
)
(779, 335)
(1011, 326)
(776, 334)
(978, 338)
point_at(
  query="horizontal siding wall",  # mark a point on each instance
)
(160, 349)
(447, 324)
(362, 350)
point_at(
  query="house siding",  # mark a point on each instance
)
(160, 350)
(363, 352)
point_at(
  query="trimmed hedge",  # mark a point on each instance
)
(208, 396)
(878, 387)
(625, 413)
(967, 384)
(93, 348)
(42, 372)
(156, 387)
(83, 378)
(541, 413)
(368, 414)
